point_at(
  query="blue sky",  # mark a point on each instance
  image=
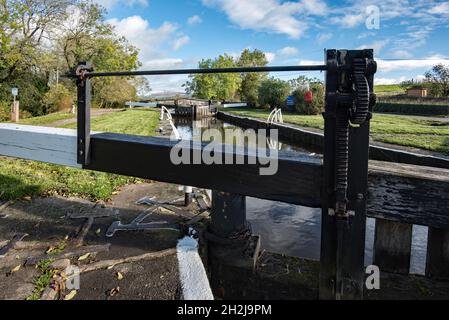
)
(408, 39)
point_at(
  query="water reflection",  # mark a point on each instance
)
(295, 230)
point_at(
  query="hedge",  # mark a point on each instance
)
(412, 109)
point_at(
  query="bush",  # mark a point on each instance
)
(31, 91)
(273, 93)
(58, 98)
(317, 104)
(5, 110)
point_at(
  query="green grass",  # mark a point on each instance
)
(19, 178)
(388, 89)
(47, 119)
(43, 280)
(132, 121)
(401, 130)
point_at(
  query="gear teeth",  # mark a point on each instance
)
(360, 113)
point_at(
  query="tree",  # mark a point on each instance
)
(58, 98)
(221, 86)
(41, 39)
(250, 82)
(439, 79)
(317, 103)
(23, 27)
(273, 93)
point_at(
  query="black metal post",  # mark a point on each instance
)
(345, 172)
(84, 88)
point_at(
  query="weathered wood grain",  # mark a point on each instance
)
(52, 145)
(437, 264)
(409, 194)
(392, 246)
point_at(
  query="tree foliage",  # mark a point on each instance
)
(300, 86)
(250, 82)
(439, 79)
(219, 86)
(40, 40)
(273, 93)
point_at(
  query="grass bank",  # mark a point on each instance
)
(395, 129)
(19, 178)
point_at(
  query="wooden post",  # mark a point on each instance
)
(228, 213)
(15, 111)
(437, 265)
(231, 247)
(392, 246)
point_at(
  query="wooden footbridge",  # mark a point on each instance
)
(345, 184)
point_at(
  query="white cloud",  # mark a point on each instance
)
(165, 63)
(349, 20)
(108, 4)
(323, 37)
(270, 15)
(139, 33)
(310, 62)
(155, 45)
(390, 80)
(376, 46)
(270, 56)
(401, 54)
(182, 41)
(410, 64)
(194, 20)
(442, 8)
(288, 51)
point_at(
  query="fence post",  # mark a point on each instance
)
(345, 179)
(15, 114)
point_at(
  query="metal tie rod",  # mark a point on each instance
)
(200, 71)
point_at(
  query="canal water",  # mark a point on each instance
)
(295, 230)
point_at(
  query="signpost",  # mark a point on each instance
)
(290, 102)
(15, 105)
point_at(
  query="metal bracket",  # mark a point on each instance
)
(84, 88)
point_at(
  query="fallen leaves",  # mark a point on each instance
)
(84, 256)
(119, 276)
(15, 269)
(113, 291)
(70, 295)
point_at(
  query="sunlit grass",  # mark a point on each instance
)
(20, 178)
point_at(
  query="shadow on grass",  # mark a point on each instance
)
(13, 188)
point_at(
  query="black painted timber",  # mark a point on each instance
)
(315, 141)
(297, 181)
(397, 192)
